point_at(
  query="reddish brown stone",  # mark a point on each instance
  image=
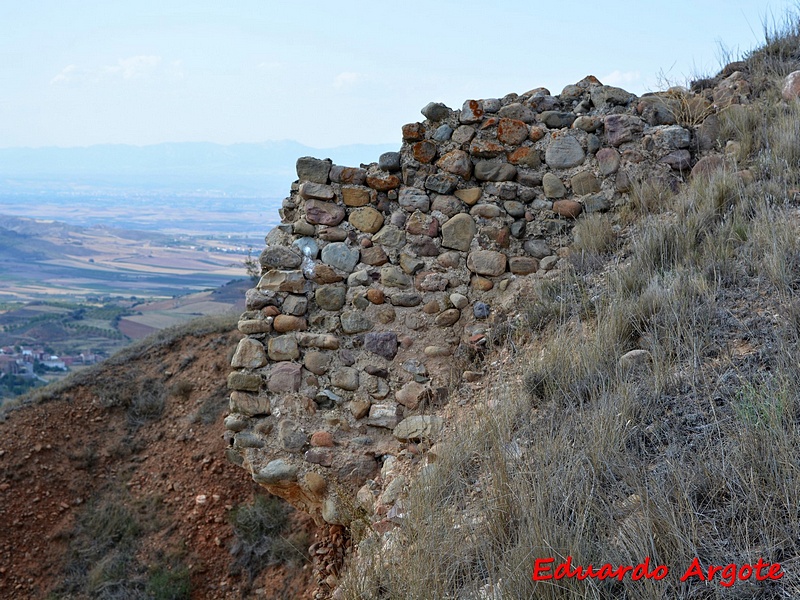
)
(413, 132)
(421, 224)
(485, 148)
(316, 362)
(448, 317)
(323, 274)
(374, 256)
(431, 307)
(359, 408)
(355, 196)
(456, 162)
(499, 235)
(284, 323)
(537, 133)
(270, 311)
(481, 283)
(322, 439)
(375, 296)
(410, 394)
(332, 234)
(490, 122)
(383, 182)
(569, 209)
(511, 131)
(424, 151)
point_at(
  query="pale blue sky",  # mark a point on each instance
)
(75, 73)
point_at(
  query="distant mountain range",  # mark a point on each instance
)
(264, 169)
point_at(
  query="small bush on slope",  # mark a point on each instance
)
(103, 560)
(262, 536)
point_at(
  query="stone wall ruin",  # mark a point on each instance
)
(381, 279)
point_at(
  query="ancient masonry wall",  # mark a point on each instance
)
(382, 278)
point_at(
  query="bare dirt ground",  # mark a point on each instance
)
(69, 453)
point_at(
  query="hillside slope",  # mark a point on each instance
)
(115, 484)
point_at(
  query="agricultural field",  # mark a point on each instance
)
(48, 260)
(107, 324)
(82, 293)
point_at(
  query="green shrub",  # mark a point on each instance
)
(165, 583)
